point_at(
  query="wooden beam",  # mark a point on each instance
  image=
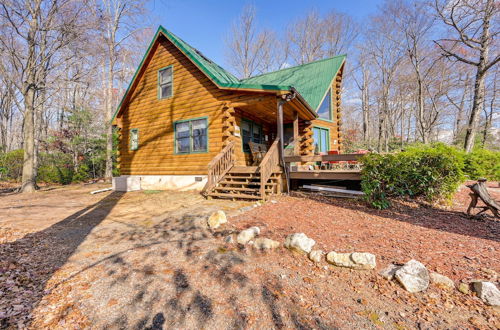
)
(296, 146)
(319, 158)
(325, 175)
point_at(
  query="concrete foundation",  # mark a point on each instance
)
(159, 182)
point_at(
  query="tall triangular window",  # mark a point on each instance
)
(325, 110)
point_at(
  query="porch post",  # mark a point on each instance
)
(280, 128)
(296, 133)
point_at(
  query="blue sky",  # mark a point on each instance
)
(205, 23)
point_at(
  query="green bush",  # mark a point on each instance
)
(432, 172)
(482, 163)
(11, 165)
(55, 168)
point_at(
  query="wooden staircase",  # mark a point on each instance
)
(225, 180)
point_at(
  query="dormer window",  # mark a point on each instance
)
(325, 110)
(165, 82)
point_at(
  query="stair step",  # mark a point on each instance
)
(247, 183)
(244, 169)
(257, 190)
(242, 176)
(229, 195)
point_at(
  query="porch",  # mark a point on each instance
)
(277, 125)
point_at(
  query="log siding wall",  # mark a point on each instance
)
(194, 96)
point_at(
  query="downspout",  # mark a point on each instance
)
(284, 98)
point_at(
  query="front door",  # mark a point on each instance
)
(321, 139)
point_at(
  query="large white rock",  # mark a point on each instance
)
(299, 242)
(217, 219)
(355, 260)
(316, 255)
(488, 292)
(247, 235)
(442, 281)
(413, 276)
(389, 272)
(263, 243)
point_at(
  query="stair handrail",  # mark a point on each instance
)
(268, 165)
(219, 166)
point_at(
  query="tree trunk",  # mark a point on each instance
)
(28, 176)
(479, 84)
(470, 134)
(109, 128)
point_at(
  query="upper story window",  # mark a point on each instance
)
(165, 82)
(325, 110)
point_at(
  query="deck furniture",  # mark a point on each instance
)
(480, 191)
(258, 151)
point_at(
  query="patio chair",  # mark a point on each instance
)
(258, 152)
(479, 191)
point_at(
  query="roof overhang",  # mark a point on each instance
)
(275, 89)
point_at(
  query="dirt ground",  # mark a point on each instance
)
(145, 259)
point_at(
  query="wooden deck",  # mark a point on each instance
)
(312, 172)
(326, 174)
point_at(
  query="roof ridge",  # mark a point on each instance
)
(199, 52)
(296, 66)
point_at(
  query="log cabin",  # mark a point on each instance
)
(186, 123)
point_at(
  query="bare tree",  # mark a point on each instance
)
(249, 51)
(387, 56)
(306, 38)
(340, 33)
(489, 109)
(363, 83)
(117, 26)
(35, 33)
(471, 23)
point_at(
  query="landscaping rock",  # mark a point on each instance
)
(229, 239)
(487, 292)
(247, 235)
(442, 281)
(355, 260)
(389, 271)
(316, 255)
(464, 288)
(216, 219)
(299, 242)
(413, 276)
(263, 243)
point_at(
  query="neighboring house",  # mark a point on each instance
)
(185, 120)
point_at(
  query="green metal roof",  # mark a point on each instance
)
(311, 80)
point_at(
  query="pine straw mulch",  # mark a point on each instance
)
(444, 239)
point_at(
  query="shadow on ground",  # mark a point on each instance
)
(171, 272)
(34, 258)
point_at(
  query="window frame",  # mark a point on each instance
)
(327, 129)
(158, 85)
(329, 91)
(131, 148)
(252, 123)
(190, 136)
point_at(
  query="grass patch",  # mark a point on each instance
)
(152, 192)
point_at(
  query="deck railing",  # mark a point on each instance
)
(268, 166)
(323, 158)
(219, 166)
